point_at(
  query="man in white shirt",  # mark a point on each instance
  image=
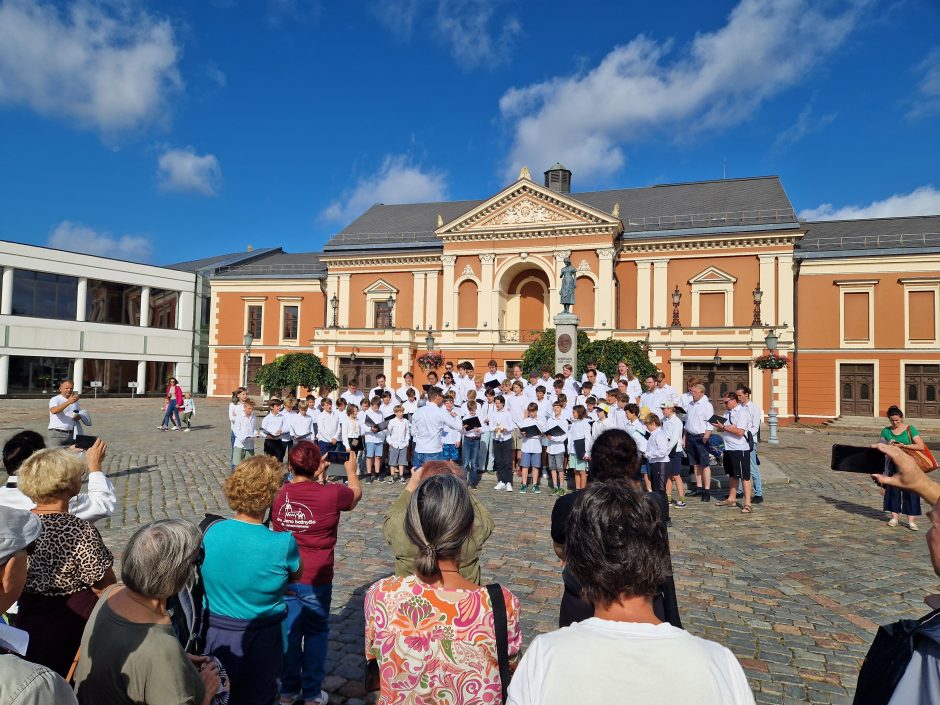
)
(736, 461)
(97, 503)
(379, 389)
(651, 401)
(697, 432)
(427, 427)
(571, 386)
(622, 558)
(518, 377)
(65, 416)
(352, 395)
(402, 391)
(598, 386)
(755, 416)
(667, 390)
(592, 367)
(493, 373)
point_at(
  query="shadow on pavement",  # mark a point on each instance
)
(132, 471)
(853, 508)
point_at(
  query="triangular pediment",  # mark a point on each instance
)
(712, 275)
(526, 205)
(380, 287)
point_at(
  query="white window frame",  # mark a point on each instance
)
(253, 301)
(857, 286)
(921, 284)
(700, 284)
(284, 302)
(379, 290)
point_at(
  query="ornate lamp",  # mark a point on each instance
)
(334, 302)
(758, 295)
(391, 308)
(676, 298)
(429, 339)
(717, 358)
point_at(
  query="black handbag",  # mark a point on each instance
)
(500, 626)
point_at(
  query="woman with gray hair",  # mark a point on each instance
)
(129, 652)
(432, 634)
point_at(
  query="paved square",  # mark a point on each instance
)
(795, 590)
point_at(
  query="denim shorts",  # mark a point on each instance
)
(531, 460)
(374, 450)
(556, 461)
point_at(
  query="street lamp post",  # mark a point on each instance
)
(248, 339)
(334, 302)
(429, 339)
(771, 342)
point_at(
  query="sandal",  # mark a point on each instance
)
(726, 503)
(746, 509)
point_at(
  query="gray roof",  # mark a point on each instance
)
(855, 238)
(280, 265)
(723, 204)
(211, 263)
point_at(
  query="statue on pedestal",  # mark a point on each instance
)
(568, 275)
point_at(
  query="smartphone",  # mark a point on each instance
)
(85, 442)
(857, 459)
(337, 466)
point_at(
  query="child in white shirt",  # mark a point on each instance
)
(328, 427)
(471, 443)
(451, 437)
(189, 410)
(243, 426)
(531, 448)
(556, 449)
(580, 431)
(301, 423)
(399, 436)
(352, 432)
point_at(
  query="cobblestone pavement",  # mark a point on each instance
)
(795, 590)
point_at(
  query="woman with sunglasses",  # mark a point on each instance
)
(129, 651)
(174, 402)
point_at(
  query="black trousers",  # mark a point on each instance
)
(658, 481)
(275, 449)
(502, 460)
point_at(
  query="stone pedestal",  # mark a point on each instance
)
(566, 341)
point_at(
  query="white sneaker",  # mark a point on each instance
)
(321, 699)
(509, 487)
(499, 485)
(187, 430)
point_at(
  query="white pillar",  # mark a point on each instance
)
(187, 309)
(78, 374)
(417, 311)
(141, 376)
(6, 297)
(643, 293)
(785, 291)
(145, 306)
(660, 292)
(332, 288)
(344, 302)
(81, 297)
(4, 373)
(606, 289)
(486, 307)
(448, 319)
(431, 307)
(768, 285)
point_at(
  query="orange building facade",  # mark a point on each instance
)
(680, 267)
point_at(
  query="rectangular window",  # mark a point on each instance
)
(44, 295)
(711, 309)
(38, 375)
(289, 323)
(109, 302)
(254, 321)
(383, 314)
(163, 304)
(855, 316)
(922, 315)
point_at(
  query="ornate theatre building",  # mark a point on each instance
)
(701, 272)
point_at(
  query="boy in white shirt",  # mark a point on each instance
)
(493, 373)
(579, 446)
(328, 428)
(556, 449)
(516, 403)
(352, 395)
(375, 439)
(531, 448)
(272, 426)
(301, 423)
(399, 436)
(451, 436)
(402, 391)
(243, 426)
(471, 444)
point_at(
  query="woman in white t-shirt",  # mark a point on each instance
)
(622, 558)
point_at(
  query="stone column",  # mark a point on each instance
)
(344, 302)
(643, 293)
(431, 307)
(604, 317)
(566, 340)
(487, 314)
(448, 319)
(417, 311)
(4, 374)
(768, 285)
(6, 295)
(81, 297)
(78, 374)
(660, 292)
(145, 307)
(785, 290)
(142, 376)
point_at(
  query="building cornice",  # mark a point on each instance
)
(378, 260)
(720, 243)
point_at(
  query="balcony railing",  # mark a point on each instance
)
(518, 336)
(711, 220)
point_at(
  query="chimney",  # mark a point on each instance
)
(250, 248)
(558, 179)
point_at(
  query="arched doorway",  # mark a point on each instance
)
(524, 304)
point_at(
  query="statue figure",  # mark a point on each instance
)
(568, 274)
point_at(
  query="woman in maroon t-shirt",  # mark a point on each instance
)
(310, 510)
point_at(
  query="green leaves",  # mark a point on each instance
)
(295, 370)
(607, 353)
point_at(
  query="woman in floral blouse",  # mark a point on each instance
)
(432, 633)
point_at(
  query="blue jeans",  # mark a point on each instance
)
(755, 474)
(471, 456)
(419, 459)
(306, 637)
(485, 458)
(171, 410)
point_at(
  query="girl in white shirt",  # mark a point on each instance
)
(239, 396)
(243, 428)
(398, 436)
(351, 431)
(580, 430)
(556, 449)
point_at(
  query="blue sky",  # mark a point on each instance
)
(170, 131)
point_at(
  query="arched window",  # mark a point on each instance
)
(467, 304)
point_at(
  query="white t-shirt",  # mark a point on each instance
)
(65, 420)
(589, 657)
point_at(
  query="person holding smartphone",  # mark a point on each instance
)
(898, 501)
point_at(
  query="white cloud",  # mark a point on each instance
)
(282, 12)
(216, 74)
(397, 181)
(806, 124)
(927, 101)
(468, 28)
(718, 80)
(924, 200)
(108, 66)
(75, 237)
(185, 171)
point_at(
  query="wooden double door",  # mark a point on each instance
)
(718, 380)
(921, 386)
(362, 369)
(857, 390)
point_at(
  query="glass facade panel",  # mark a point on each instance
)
(163, 305)
(113, 375)
(110, 302)
(44, 295)
(38, 375)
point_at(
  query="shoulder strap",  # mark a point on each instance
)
(502, 633)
